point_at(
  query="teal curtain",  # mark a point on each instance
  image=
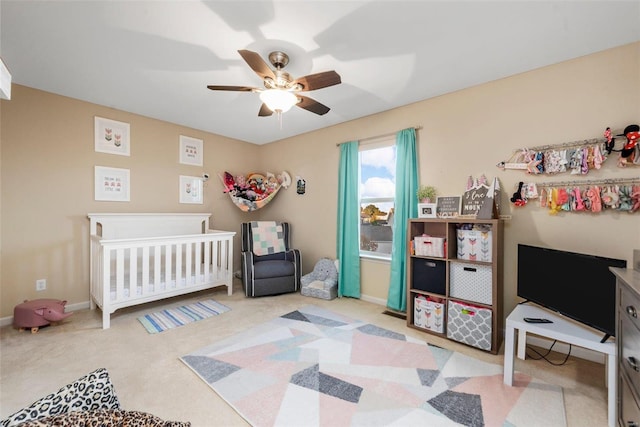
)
(406, 207)
(348, 249)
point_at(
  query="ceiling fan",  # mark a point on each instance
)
(281, 90)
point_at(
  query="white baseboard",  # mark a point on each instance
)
(374, 300)
(6, 321)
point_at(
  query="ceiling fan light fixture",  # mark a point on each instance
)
(278, 100)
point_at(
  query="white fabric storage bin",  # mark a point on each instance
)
(469, 324)
(429, 246)
(471, 282)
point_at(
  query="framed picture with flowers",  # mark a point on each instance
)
(191, 189)
(111, 136)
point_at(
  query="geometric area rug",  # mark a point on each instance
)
(314, 367)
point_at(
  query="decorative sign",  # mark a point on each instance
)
(448, 206)
(473, 197)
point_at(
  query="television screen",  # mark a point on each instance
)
(576, 285)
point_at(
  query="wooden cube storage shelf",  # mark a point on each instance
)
(432, 276)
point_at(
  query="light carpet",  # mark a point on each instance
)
(174, 317)
(318, 368)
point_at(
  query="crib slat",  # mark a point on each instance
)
(187, 273)
(197, 264)
(179, 265)
(168, 254)
(157, 258)
(207, 261)
(120, 274)
(133, 270)
(145, 270)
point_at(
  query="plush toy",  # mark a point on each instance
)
(322, 282)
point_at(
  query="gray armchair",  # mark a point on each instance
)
(269, 265)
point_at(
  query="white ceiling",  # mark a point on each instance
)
(156, 58)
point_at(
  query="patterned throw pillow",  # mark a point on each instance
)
(93, 391)
(105, 418)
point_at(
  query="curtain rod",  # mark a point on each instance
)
(378, 136)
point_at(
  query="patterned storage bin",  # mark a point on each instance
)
(474, 245)
(469, 324)
(471, 282)
(428, 313)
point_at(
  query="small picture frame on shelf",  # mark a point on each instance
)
(426, 210)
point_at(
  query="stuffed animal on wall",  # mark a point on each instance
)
(323, 276)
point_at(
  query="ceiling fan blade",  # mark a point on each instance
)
(319, 80)
(312, 105)
(257, 64)
(233, 88)
(264, 111)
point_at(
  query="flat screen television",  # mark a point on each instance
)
(578, 286)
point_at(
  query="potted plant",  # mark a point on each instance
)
(426, 193)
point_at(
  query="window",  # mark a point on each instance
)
(377, 167)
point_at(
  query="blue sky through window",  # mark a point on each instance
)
(377, 174)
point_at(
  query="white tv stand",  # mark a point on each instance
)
(562, 329)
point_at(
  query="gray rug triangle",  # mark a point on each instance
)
(313, 366)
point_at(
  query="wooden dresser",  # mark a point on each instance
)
(628, 339)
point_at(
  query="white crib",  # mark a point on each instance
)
(139, 258)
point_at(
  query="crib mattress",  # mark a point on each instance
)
(215, 275)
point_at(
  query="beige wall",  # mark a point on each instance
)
(48, 158)
(468, 133)
(48, 161)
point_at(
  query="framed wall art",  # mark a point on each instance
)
(426, 210)
(448, 206)
(111, 136)
(191, 190)
(190, 151)
(112, 184)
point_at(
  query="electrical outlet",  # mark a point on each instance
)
(41, 284)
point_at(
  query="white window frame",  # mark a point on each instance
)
(373, 145)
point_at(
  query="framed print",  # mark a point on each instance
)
(111, 136)
(190, 151)
(191, 189)
(448, 206)
(111, 184)
(426, 210)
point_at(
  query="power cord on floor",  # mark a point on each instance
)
(544, 356)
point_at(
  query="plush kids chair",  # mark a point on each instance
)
(269, 265)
